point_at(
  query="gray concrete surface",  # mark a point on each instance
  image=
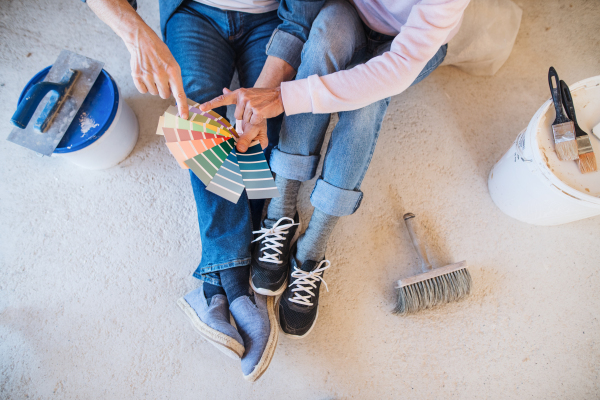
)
(93, 262)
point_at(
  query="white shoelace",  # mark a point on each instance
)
(309, 279)
(271, 238)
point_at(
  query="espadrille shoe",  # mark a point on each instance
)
(256, 322)
(212, 321)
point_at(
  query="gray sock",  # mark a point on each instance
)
(313, 243)
(285, 205)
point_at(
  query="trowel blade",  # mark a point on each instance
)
(45, 143)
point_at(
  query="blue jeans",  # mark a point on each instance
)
(338, 40)
(210, 44)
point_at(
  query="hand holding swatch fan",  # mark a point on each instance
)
(205, 143)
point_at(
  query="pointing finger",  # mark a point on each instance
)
(223, 100)
(177, 89)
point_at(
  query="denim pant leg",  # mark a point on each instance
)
(336, 38)
(337, 41)
(350, 150)
(197, 35)
(250, 60)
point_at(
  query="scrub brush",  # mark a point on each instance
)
(587, 159)
(433, 286)
(562, 128)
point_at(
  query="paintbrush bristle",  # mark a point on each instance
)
(567, 150)
(587, 163)
(434, 291)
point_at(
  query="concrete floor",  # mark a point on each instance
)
(93, 262)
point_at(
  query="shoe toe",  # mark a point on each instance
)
(212, 321)
(255, 325)
(293, 322)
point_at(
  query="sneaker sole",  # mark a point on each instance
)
(281, 289)
(267, 356)
(296, 337)
(227, 345)
(267, 292)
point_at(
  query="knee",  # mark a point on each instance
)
(366, 119)
(335, 35)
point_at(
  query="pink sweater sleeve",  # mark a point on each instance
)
(427, 28)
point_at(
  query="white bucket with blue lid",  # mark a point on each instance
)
(105, 129)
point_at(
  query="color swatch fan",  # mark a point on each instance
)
(205, 143)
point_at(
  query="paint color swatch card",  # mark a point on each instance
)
(182, 135)
(214, 116)
(256, 173)
(183, 151)
(200, 123)
(206, 165)
(228, 182)
(205, 143)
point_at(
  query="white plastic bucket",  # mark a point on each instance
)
(105, 129)
(530, 184)
(113, 146)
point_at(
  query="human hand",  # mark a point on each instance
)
(154, 68)
(250, 133)
(253, 106)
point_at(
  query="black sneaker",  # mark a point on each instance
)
(270, 258)
(298, 306)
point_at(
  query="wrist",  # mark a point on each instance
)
(274, 72)
(132, 33)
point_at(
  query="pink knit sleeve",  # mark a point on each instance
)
(427, 28)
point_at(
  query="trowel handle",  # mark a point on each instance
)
(409, 219)
(34, 96)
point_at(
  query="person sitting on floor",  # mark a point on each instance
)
(205, 42)
(358, 55)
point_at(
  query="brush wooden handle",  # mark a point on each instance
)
(419, 246)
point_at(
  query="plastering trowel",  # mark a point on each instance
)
(68, 82)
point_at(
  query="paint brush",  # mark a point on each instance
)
(587, 159)
(435, 285)
(562, 128)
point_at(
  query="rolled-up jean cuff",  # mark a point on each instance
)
(335, 201)
(209, 273)
(294, 166)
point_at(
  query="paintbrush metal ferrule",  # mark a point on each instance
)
(584, 145)
(563, 132)
(587, 158)
(564, 141)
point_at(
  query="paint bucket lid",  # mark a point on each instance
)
(94, 117)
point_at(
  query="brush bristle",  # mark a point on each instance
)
(567, 150)
(431, 292)
(587, 162)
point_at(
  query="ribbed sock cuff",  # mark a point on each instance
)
(285, 205)
(313, 244)
(235, 281)
(210, 290)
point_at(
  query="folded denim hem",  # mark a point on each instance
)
(212, 278)
(335, 201)
(285, 46)
(207, 273)
(294, 166)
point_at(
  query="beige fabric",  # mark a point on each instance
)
(486, 37)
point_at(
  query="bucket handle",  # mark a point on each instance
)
(36, 94)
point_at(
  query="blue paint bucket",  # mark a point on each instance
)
(105, 129)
